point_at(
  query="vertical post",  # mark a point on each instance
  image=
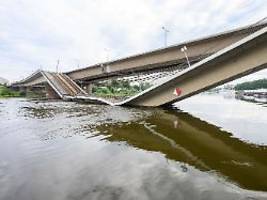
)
(106, 67)
(107, 54)
(81, 84)
(89, 88)
(57, 66)
(184, 49)
(166, 31)
(78, 63)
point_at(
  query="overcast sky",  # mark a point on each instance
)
(35, 34)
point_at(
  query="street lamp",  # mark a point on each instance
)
(184, 49)
(105, 67)
(78, 62)
(57, 65)
(107, 54)
(166, 31)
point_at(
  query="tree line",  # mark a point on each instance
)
(7, 92)
(252, 85)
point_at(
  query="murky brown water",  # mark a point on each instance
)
(64, 150)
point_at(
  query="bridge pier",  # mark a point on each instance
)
(50, 92)
(33, 91)
(89, 88)
(21, 89)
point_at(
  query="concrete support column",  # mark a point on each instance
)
(29, 92)
(39, 91)
(50, 93)
(89, 88)
(28, 89)
(23, 90)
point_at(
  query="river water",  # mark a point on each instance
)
(207, 147)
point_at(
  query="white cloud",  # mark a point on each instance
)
(37, 33)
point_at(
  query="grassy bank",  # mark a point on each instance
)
(6, 92)
(119, 89)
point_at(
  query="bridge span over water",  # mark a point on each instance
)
(215, 60)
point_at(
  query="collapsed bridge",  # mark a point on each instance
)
(214, 60)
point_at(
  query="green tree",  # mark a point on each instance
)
(252, 85)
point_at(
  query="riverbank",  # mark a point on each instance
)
(5, 92)
(258, 96)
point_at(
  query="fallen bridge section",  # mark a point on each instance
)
(62, 85)
(237, 60)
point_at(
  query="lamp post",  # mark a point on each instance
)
(166, 31)
(77, 62)
(57, 65)
(184, 49)
(107, 54)
(105, 66)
